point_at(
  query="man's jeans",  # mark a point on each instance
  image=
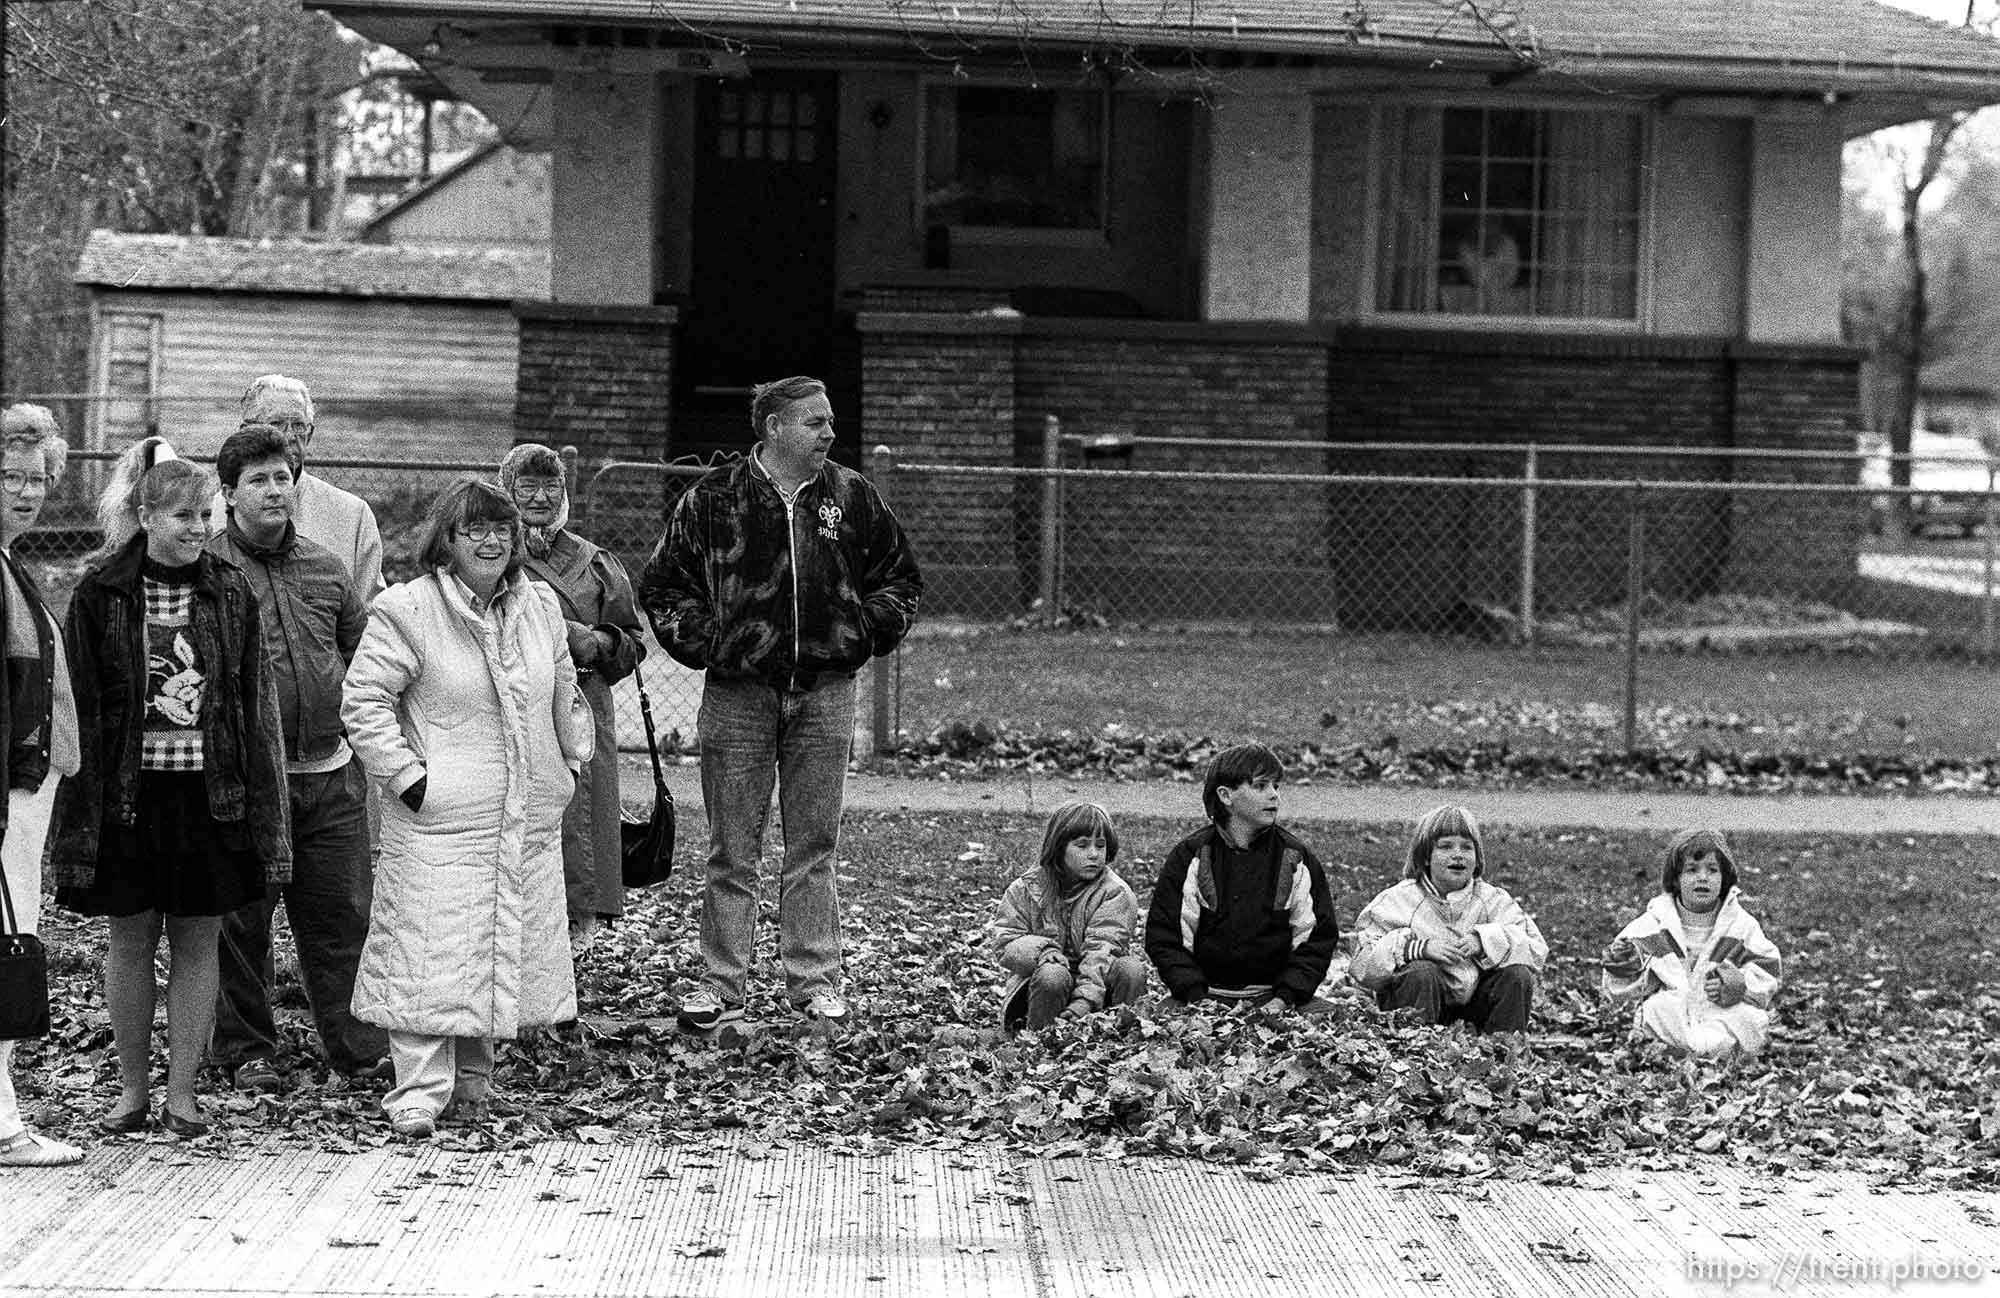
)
(327, 903)
(752, 733)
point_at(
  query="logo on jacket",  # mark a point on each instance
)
(829, 522)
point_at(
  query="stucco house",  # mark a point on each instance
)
(1444, 220)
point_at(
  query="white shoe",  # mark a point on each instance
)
(705, 1010)
(830, 1007)
(418, 1124)
(28, 1149)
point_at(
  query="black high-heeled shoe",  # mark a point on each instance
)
(125, 1124)
(185, 1128)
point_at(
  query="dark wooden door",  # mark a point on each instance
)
(763, 232)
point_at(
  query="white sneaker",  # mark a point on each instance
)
(829, 1006)
(705, 1010)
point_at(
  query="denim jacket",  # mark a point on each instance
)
(243, 755)
(747, 588)
(312, 621)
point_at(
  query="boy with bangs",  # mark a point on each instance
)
(1241, 914)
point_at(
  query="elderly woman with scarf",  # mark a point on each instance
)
(603, 624)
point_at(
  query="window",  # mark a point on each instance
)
(1011, 158)
(777, 125)
(1521, 212)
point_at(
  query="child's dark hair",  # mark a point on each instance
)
(1686, 844)
(1437, 823)
(1071, 821)
(1233, 768)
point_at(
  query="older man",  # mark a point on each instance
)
(780, 575)
(339, 520)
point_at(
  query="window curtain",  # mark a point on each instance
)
(1407, 252)
(1589, 236)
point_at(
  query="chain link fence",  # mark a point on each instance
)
(1536, 597)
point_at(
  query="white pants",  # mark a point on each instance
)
(21, 857)
(1688, 1019)
(431, 1072)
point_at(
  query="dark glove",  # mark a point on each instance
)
(1622, 959)
(1724, 985)
(413, 797)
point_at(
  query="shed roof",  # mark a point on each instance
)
(1822, 44)
(445, 272)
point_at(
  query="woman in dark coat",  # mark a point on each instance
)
(602, 620)
(178, 813)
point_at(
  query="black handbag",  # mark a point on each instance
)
(24, 977)
(649, 844)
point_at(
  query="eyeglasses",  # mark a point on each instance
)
(481, 532)
(537, 490)
(22, 481)
(290, 427)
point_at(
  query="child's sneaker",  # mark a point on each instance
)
(705, 1011)
(827, 1007)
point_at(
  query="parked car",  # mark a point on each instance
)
(1950, 474)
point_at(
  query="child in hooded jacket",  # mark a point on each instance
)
(1697, 962)
(1446, 943)
(1063, 932)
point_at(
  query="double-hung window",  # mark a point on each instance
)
(1013, 158)
(1531, 213)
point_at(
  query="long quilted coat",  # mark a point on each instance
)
(469, 935)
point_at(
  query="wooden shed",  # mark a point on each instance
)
(411, 351)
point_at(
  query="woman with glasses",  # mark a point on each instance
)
(178, 813)
(602, 620)
(462, 705)
(38, 743)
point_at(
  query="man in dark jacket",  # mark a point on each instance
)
(312, 621)
(779, 575)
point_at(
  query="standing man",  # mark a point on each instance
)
(779, 575)
(339, 520)
(312, 621)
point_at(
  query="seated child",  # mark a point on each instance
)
(1698, 963)
(1445, 942)
(1241, 912)
(1064, 932)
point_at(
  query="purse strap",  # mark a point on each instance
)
(7, 904)
(652, 743)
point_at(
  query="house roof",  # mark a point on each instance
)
(420, 193)
(1808, 45)
(447, 272)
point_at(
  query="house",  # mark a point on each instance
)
(411, 351)
(495, 194)
(1500, 221)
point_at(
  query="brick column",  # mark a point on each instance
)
(940, 389)
(1798, 398)
(600, 377)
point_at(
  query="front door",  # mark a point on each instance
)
(763, 234)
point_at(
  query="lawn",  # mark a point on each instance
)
(1884, 1060)
(1414, 692)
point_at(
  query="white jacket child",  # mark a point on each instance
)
(1672, 983)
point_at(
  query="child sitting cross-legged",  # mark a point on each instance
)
(1241, 913)
(1064, 931)
(1446, 943)
(1697, 962)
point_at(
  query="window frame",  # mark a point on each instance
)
(1097, 236)
(1367, 283)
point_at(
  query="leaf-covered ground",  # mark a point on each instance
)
(961, 750)
(1886, 1059)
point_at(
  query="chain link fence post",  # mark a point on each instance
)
(1986, 545)
(881, 464)
(1050, 585)
(1528, 547)
(1635, 585)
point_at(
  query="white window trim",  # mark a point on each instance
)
(1015, 236)
(1643, 316)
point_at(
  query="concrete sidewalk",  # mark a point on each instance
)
(1395, 803)
(737, 1216)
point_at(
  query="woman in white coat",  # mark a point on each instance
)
(462, 704)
